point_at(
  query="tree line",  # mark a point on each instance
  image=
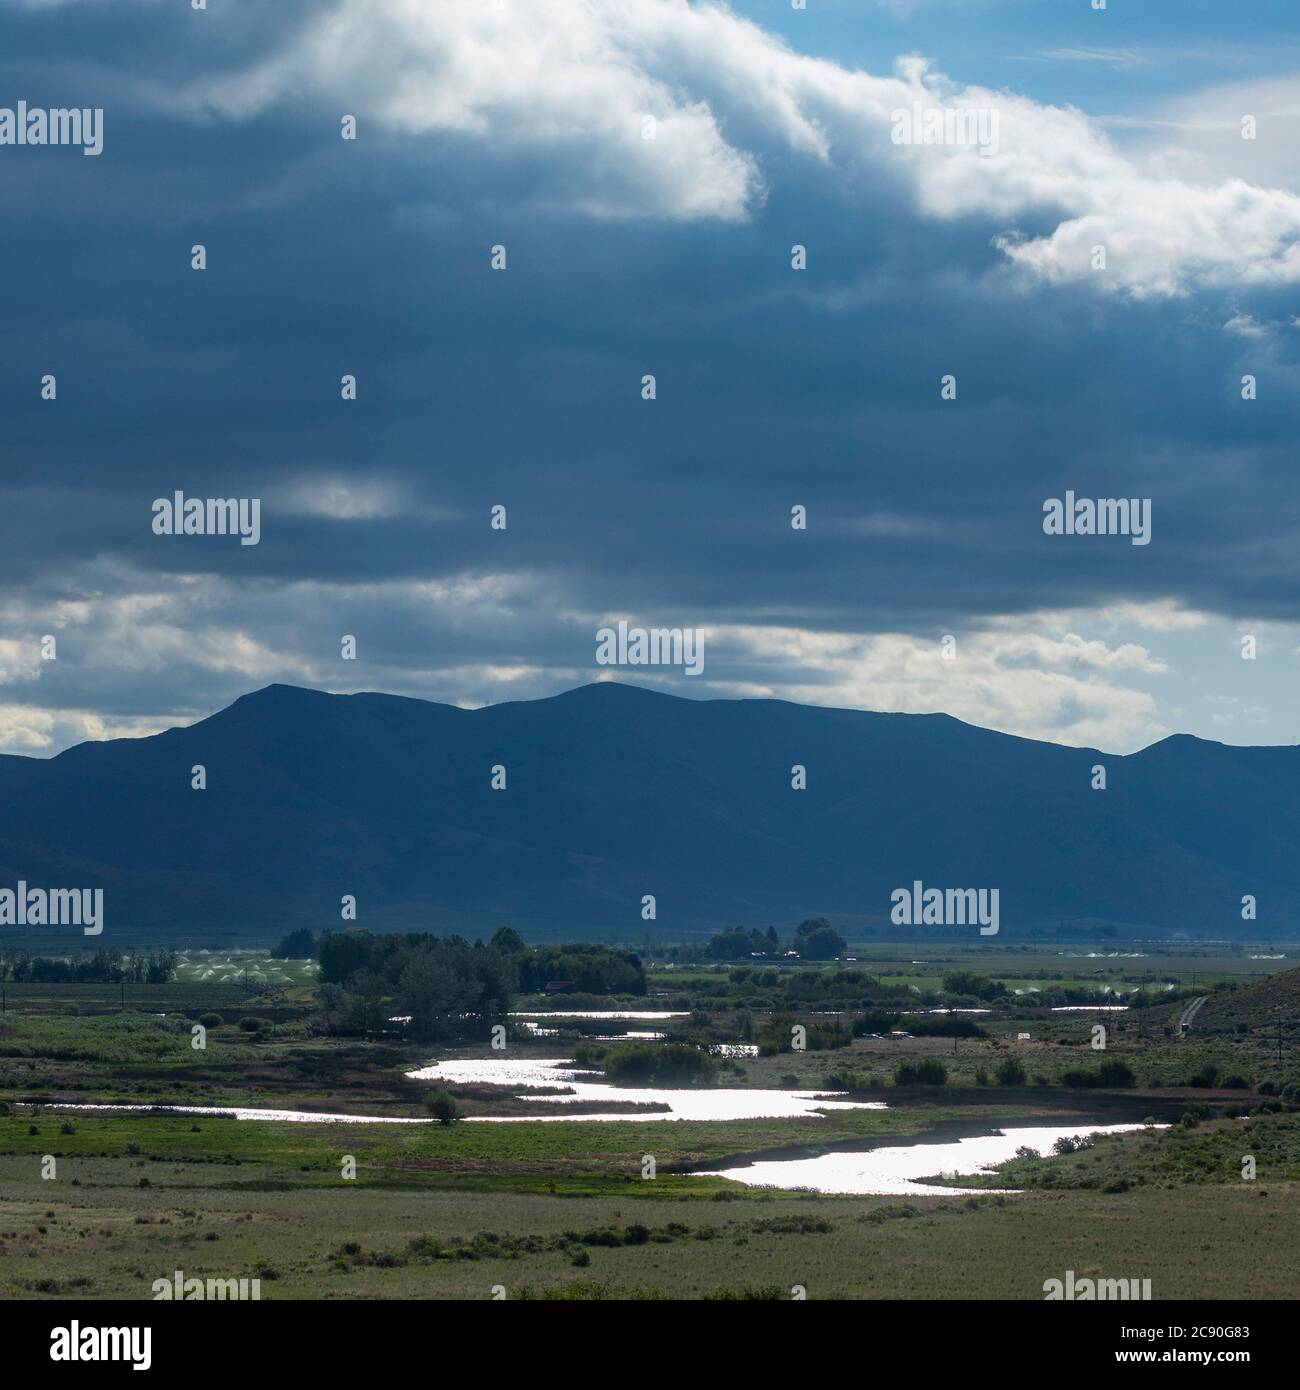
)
(814, 939)
(443, 988)
(104, 967)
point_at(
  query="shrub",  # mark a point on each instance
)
(211, 1020)
(250, 1025)
(441, 1106)
(1109, 1074)
(1117, 1073)
(664, 1064)
(929, 1072)
(1011, 1072)
(874, 1021)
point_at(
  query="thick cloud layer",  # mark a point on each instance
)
(524, 126)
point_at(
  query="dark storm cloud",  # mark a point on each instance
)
(523, 388)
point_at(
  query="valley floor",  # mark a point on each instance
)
(103, 1205)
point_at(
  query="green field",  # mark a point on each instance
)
(255, 967)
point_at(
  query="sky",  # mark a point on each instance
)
(648, 167)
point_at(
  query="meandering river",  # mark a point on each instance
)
(687, 1103)
(896, 1170)
(883, 1170)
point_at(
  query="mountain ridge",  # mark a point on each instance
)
(615, 791)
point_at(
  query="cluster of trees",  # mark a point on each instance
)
(737, 943)
(104, 967)
(444, 986)
(582, 968)
(760, 986)
(297, 945)
(969, 985)
(449, 988)
(814, 939)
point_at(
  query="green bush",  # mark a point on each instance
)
(929, 1072)
(441, 1106)
(1110, 1075)
(666, 1064)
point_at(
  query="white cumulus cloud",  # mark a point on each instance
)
(583, 84)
